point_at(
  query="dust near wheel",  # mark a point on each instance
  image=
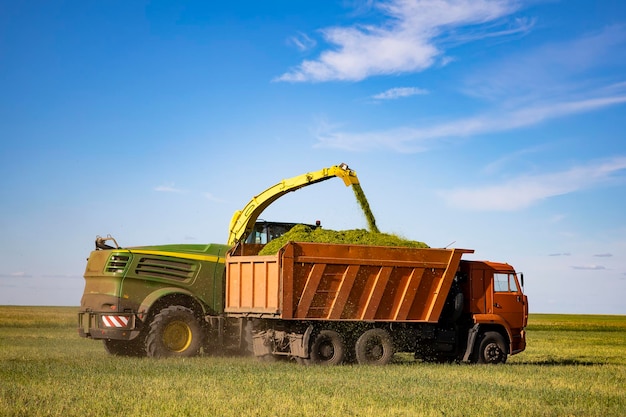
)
(374, 347)
(131, 348)
(174, 332)
(328, 348)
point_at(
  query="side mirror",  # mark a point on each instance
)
(522, 278)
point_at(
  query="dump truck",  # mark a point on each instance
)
(335, 303)
(315, 303)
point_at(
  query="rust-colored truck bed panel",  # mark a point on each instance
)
(315, 281)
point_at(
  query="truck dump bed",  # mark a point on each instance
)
(315, 281)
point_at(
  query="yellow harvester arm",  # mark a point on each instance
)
(242, 222)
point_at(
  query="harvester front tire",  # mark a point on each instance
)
(175, 332)
(492, 349)
(328, 348)
(374, 347)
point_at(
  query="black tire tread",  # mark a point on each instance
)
(154, 345)
(364, 342)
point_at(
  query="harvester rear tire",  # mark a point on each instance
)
(374, 347)
(175, 332)
(328, 348)
(492, 349)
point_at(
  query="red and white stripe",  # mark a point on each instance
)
(115, 321)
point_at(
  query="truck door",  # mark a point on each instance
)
(508, 300)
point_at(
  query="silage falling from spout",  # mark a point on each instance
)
(365, 206)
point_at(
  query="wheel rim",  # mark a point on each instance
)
(374, 347)
(493, 353)
(177, 336)
(326, 351)
(374, 350)
(327, 348)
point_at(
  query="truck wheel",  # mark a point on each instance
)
(174, 332)
(374, 347)
(328, 348)
(134, 348)
(492, 349)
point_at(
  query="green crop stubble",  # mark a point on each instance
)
(576, 368)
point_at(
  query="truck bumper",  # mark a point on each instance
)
(95, 325)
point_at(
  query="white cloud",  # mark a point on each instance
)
(554, 69)
(504, 161)
(411, 139)
(211, 197)
(303, 42)
(168, 188)
(589, 267)
(543, 84)
(171, 188)
(19, 274)
(525, 191)
(399, 92)
(406, 41)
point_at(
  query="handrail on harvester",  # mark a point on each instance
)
(243, 220)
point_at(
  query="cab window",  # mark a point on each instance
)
(258, 235)
(504, 282)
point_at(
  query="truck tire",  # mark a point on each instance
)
(328, 348)
(374, 347)
(492, 349)
(131, 348)
(174, 332)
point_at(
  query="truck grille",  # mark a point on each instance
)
(165, 268)
(117, 264)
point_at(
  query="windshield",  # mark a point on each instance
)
(266, 232)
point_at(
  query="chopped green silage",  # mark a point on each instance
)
(365, 206)
(302, 233)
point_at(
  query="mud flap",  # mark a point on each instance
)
(262, 343)
(299, 343)
(471, 340)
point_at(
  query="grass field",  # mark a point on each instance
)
(573, 366)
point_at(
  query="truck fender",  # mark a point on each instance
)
(492, 322)
(498, 323)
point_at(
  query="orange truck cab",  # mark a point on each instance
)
(495, 300)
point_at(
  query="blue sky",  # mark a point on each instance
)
(491, 125)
